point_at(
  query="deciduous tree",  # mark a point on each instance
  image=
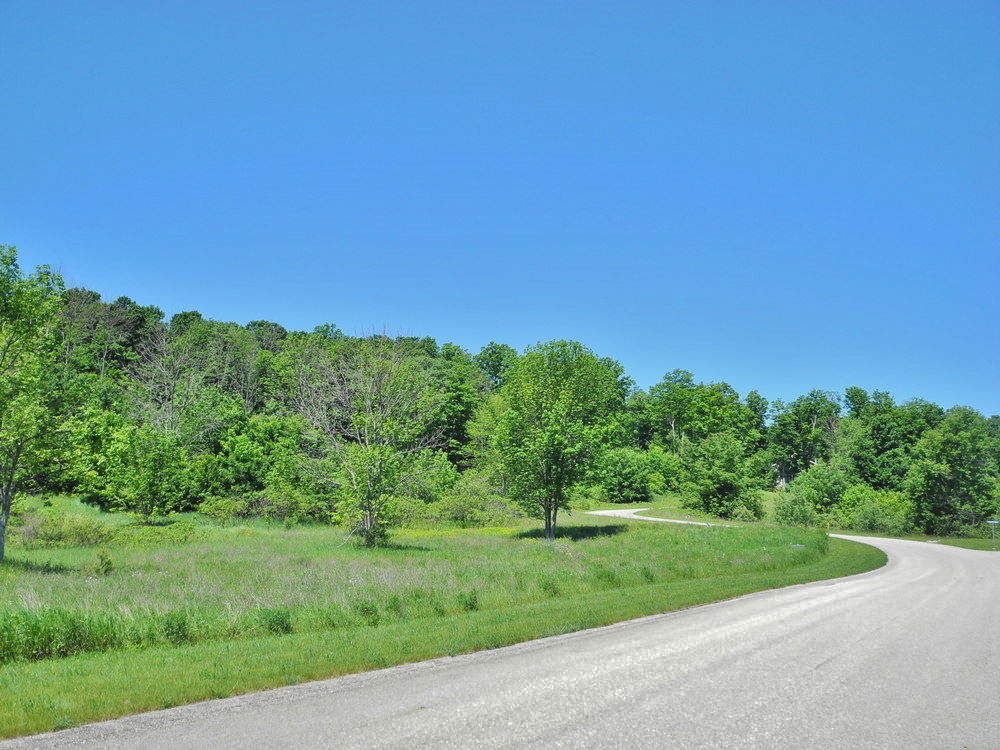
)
(562, 403)
(953, 479)
(28, 307)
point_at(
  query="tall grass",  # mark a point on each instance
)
(91, 633)
(244, 583)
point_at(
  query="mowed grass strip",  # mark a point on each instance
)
(486, 589)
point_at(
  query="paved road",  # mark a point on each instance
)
(904, 657)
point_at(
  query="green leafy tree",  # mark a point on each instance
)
(562, 404)
(877, 437)
(685, 412)
(802, 433)
(952, 481)
(463, 386)
(495, 360)
(147, 475)
(638, 420)
(481, 450)
(670, 404)
(102, 338)
(28, 309)
(718, 480)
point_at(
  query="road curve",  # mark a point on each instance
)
(904, 657)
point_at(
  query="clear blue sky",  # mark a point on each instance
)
(780, 195)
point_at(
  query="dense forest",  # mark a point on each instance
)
(114, 403)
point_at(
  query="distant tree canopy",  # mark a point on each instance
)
(112, 402)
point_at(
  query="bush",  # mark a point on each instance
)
(792, 509)
(880, 511)
(224, 509)
(623, 474)
(103, 566)
(665, 470)
(717, 479)
(50, 529)
(473, 503)
(822, 484)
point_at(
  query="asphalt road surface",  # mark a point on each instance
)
(904, 657)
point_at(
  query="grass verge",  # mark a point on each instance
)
(53, 694)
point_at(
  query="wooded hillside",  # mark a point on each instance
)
(112, 402)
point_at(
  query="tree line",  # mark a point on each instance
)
(134, 412)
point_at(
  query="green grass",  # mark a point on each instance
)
(174, 623)
(987, 544)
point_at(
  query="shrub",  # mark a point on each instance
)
(224, 509)
(792, 509)
(665, 470)
(103, 566)
(884, 512)
(822, 484)
(473, 503)
(623, 476)
(50, 529)
(717, 479)
(179, 532)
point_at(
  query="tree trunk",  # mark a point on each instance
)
(6, 495)
(550, 521)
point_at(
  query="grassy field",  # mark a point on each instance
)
(159, 617)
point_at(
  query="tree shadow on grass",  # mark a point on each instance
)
(25, 566)
(576, 533)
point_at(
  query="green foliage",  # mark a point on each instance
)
(952, 480)
(718, 481)
(462, 386)
(266, 467)
(802, 433)
(683, 411)
(623, 475)
(473, 502)
(495, 361)
(822, 484)
(561, 406)
(666, 470)
(877, 438)
(791, 509)
(28, 307)
(880, 511)
(149, 477)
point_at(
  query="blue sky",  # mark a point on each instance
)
(781, 195)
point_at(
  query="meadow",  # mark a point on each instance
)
(151, 617)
